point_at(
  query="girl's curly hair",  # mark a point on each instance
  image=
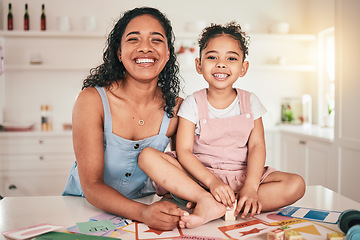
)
(232, 29)
(112, 70)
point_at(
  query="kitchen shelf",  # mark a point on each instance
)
(51, 34)
(268, 67)
(258, 36)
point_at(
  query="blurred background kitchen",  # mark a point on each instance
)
(301, 68)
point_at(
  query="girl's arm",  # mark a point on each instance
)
(89, 151)
(248, 198)
(184, 148)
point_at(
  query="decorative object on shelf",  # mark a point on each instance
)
(17, 126)
(10, 23)
(26, 19)
(35, 58)
(280, 28)
(46, 123)
(63, 23)
(186, 55)
(43, 18)
(89, 23)
(296, 110)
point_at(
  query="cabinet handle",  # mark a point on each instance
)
(41, 141)
(41, 157)
(302, 142)
(12, 187)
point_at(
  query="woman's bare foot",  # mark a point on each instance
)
(206, 209)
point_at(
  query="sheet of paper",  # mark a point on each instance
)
(68, 236)
(246, 230)
(143, 232)
(96, 226)
(270, 217)
(30, 232)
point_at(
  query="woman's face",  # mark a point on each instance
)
(144, 49)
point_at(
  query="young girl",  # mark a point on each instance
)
(220, 138)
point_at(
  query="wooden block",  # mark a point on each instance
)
(229, 215)
(335, 236)
(276, 234)
(293, 235)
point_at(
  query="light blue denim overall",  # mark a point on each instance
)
(121, 169)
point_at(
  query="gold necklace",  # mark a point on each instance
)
(141, 121)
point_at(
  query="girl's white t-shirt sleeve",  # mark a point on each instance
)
(257, 108)
(188, 109)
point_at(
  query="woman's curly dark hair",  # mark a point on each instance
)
(112, 70)
(232, 29)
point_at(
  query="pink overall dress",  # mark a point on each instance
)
(222, 143)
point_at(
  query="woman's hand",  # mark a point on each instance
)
(222, 192)
(248, 201)
(162, 215)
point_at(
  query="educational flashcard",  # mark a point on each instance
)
(188, 237)
(116, 220)
(129, 228)
(30, 232)
(270, 217)
(308, 229)
(246, 230)
(68, 236)
(311, 214)
(144, 232)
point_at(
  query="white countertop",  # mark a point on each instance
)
(314, 131)
(18, 212)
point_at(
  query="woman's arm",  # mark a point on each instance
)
(184, 148)
(89, 151)
(255, 167)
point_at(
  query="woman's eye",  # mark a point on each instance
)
(157, 40)
(131, 39)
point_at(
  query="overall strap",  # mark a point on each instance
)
(244, 101)
(106, 106)
(202, 103)
(164, 124)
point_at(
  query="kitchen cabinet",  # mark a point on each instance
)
(34, 163)
(307, 156)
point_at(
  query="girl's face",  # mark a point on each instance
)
(221, 62)
(144, 50)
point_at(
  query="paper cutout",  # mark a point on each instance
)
(96, 226)
(143, 232)
(188, 237)
(129, 228)
(311, 214)
(116, 220)
(30, 232)
(246, 230)
(270, 217)
(68, 236)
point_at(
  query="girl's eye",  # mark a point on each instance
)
(232, 59)
(211, 57)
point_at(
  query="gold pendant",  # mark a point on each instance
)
(141, 122)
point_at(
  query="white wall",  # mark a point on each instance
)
(303, 16)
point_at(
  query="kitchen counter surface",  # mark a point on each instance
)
(19, 212)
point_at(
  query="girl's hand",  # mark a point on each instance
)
(162, 215)
(222, 193)
(248, 202)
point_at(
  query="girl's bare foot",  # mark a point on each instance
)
(206, 210)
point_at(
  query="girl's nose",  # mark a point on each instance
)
(220, 65)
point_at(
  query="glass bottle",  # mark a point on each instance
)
(26, 19)
(44, 118)
(10, 24)
(43, 18)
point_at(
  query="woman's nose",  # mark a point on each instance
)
(144, 46)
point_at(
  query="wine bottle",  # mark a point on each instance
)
(26, 19)
(43, 18)
(10, 23)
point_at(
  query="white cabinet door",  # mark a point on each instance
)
(307, 157)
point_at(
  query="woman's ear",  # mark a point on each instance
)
(198, 65)
(244, 68)
(119, 55)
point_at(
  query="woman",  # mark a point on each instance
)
(127, 103)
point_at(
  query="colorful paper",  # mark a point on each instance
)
(144, 232)
(68, 236)
(96, 226)
(30, 232)
(311, 214)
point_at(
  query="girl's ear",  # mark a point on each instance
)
(198, 65)
(244, 68)
(119, 55)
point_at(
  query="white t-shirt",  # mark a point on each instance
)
(189, 110)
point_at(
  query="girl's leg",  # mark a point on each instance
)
(169, 174)
(280, 189)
